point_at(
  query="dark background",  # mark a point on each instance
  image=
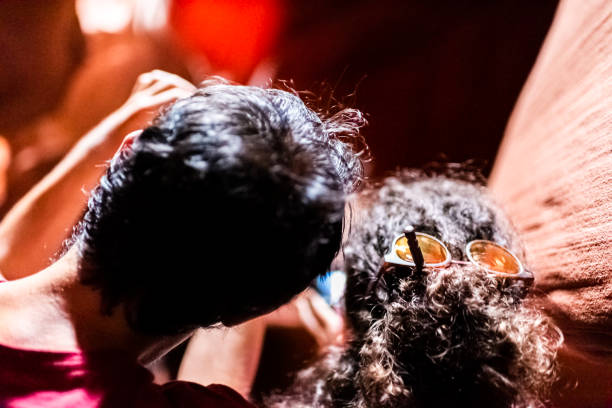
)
(438, 79)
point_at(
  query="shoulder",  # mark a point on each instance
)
(187, 394)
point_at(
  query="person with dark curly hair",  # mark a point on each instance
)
(451, 325)
(223, 209)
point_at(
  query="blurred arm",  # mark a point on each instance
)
(34, 229)
(231, 356)
(553, 174)
(225, 356)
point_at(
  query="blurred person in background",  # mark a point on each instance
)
(382, 48)
(55, 57)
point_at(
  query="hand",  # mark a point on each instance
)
(310, 311)
(152, 91)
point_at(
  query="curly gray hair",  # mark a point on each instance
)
(454, 336)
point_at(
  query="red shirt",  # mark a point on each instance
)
(30, 379)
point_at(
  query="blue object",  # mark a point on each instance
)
(331, 287)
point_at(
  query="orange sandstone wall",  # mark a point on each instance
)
(553, 175)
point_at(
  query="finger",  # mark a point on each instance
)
(164, 98)
(157, 87)
(329, 318)
(172, 79)
(160, 86)
(171, 95)
(143, 81)
(310, 322)
(144, 108)
(329, 321)
(157, 81)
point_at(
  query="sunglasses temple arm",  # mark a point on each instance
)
(415, 250)
(527, 275)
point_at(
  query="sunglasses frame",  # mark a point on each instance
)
(393, 258)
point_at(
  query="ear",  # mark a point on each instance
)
(129, 139)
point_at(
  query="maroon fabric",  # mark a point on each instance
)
(31, 379)
(554, 177)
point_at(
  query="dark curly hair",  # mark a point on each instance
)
(449, 337)
(223, 209)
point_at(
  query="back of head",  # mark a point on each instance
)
(224, 208)
(455, 336)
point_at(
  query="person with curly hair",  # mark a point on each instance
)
(451, 325)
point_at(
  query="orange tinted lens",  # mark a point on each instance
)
(494, 257)
(433, 251)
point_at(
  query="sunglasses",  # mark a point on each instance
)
(419, 250)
